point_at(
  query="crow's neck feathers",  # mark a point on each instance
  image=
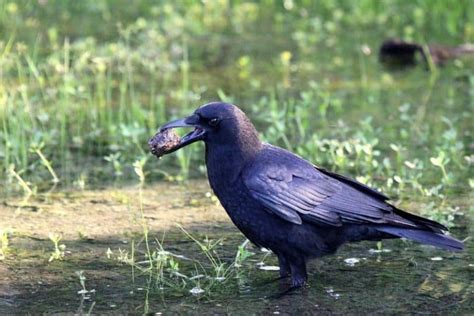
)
(237, 147)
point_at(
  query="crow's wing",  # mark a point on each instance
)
(295, 190)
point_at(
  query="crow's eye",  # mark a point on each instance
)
(213, 122)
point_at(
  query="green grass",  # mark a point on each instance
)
(85, 84)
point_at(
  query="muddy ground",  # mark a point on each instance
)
(98, 228)
(111, 212)
(90, 223)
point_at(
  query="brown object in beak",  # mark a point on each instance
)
(163, 142)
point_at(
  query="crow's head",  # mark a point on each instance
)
(215, 123)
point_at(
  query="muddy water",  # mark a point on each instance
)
(98, 227)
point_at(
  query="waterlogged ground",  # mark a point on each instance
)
(102, 229)
(78, 103)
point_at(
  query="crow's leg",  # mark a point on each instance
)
(286, 291)
(299, 276)
(284, 266)
(285, 270)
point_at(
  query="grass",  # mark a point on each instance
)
(202, 276)
(79, 105)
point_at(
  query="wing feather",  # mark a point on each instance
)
(295, 190)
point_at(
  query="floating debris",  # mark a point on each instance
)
(333, 294)
(379, 250)
(436, 259)
(84, 291)
(351, 261)
(269, 268)
(196, 291)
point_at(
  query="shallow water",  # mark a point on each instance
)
(401, 277)
(309, 73)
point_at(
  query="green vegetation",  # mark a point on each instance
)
(206, 274)
(4, 244)
(58, 252)
(84, 84)
(77, 104)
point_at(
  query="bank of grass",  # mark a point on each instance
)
(78, 101)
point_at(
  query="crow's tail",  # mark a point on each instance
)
(424, 237)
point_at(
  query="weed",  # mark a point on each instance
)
(24, 185)
(36, 148)
(59, 249)
(85, 293)
(4, 242)
(242, 254)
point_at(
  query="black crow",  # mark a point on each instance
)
(397, 52)
(284, 203)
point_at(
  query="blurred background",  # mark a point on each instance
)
(84, 85)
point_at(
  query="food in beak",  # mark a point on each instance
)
(163, 142)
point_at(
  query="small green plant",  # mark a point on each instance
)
(80, 182)
(82, 281)
(242, 254)
(138, 168)
(36, 148)
(23, 184)
(168, 270)
(84, 292)
(59, 249)
(4, 249)
(441, 161)
(208, 248)
(116, 161)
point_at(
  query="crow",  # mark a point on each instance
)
(396, 52)
(284, 203)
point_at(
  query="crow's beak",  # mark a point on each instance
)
(183, 122)
(196, 134)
